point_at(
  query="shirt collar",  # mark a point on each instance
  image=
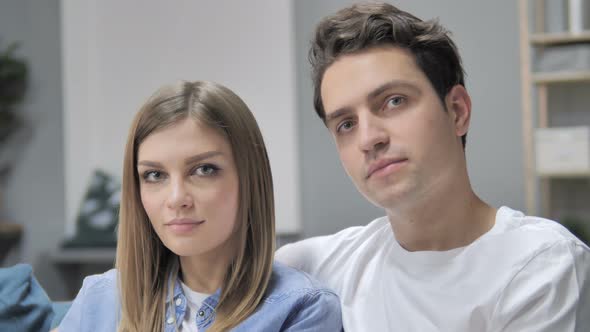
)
(178, 291)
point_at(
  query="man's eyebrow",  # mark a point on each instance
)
(337, 114)
(372, 95)
(390, 85)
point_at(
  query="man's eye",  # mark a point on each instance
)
(344, 126)
(395, 101)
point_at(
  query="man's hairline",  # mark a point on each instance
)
(384, 46)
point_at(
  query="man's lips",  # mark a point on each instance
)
(383, 163)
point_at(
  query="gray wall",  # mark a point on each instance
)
(34, 195)
(486, 33)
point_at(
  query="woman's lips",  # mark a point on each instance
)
(183, 225)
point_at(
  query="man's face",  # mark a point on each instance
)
(393, 135)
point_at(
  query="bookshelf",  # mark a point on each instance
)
(538, 84)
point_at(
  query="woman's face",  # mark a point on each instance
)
(189, 188)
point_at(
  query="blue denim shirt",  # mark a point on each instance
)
(293, 302)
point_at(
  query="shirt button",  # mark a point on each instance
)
(178, 302)
(201, 313)
(170, 320)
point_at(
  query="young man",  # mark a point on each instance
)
(390, 89)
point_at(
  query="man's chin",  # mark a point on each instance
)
(388, 198)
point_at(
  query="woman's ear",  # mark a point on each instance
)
(458, 105)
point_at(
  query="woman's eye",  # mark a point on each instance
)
(152, 176)
(206, 170)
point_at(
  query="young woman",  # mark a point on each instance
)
(196, 229)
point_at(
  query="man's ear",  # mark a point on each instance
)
(458, 105)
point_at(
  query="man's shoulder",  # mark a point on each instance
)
(536, 233)
(526, 243)
(548, 274)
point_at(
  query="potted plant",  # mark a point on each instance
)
(578, 227)
(13, 85)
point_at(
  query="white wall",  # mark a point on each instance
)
(116, 53)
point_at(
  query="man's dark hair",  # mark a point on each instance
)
(364, 26)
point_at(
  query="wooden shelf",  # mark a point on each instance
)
(9, 228)
(547, 39)
(561, 77)
(74, 264)
(10, 235)
(566, 175)
(84, 256)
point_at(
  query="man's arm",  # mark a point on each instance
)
(302, 255)
(290, 255)
(550, 293)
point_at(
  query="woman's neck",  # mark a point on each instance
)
(205, 273)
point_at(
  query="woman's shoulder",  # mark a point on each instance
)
(96, 307)
(104, 282)
(295, 301)
(288, 282)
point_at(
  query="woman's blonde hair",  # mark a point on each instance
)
(144, 264)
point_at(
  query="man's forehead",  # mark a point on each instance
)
(394, 58)
(358, 75)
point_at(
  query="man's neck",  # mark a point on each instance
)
(445, 220)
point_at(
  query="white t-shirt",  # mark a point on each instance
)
(525, 274)
(194, 302)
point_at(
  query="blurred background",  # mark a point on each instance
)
(91, 64)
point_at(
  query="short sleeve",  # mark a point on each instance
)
(550, 293)
(303, 255)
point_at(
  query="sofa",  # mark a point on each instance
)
(24, 305)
